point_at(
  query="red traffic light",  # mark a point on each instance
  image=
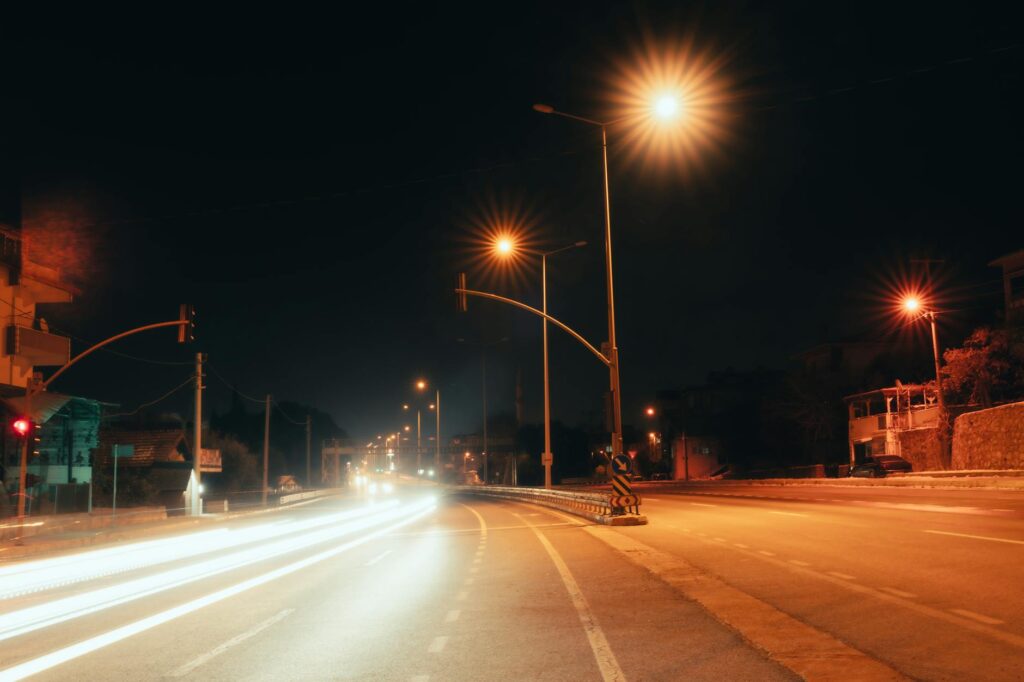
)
(21, 426)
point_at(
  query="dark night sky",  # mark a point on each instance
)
(310, 181)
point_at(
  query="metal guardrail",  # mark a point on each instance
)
(598, 504)
(307, 495)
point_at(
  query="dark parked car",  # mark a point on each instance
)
(881, 465)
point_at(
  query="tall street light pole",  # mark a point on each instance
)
(422, 386)
(613, 348)
(507, 247)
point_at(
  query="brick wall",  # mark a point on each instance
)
(920, 447)
(990, 439)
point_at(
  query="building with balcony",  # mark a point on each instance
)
(879, 419)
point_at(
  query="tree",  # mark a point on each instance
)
(988, 368)
(240, 468)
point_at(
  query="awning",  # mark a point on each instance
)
(44, 406)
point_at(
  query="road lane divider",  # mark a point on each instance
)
(237, 639)
(975, 537)
(400, 516)
(950, 616)
(812, 654)
(603, 654)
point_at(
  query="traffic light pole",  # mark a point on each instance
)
(196, 501)
(36, 386)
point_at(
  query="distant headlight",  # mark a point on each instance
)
(372, 488)
(388, 488)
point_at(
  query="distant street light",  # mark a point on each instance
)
(649, 412)
(483, 390)
(436, 406)
(506, 247)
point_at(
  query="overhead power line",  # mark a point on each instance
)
(143, 406)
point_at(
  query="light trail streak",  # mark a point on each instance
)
(40, 616)
(55, 658)
(38, 576)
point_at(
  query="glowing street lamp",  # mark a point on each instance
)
(912, 305)
(506, 247)
(650, 412)
(436, 406)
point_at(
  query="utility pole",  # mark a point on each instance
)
(266, 448)
(197, 439)
(419, 451)
(309, 436)
(483, 375)
(437, 437)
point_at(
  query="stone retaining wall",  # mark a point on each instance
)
(920, 447)
(990, 439)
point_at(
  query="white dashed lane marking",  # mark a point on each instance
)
(701, 504)
(765, 552)
(371, 562)
(898, 593)
(461, 596)
(437, 645)
(452, 616)
(981, 618)
(782, 513)
(844, 576)
(797, 562)
(975, 537)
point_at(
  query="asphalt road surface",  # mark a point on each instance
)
(790, 582)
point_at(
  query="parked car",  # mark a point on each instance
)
(881, 465)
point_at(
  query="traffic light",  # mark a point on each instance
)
(22, 426)
(187, 332)
(460, 296)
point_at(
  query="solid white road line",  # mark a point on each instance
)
(200, 660)
(977, 616)
(844, 576)
(898, 593)
(975, 537)
(605, 657)
(782, 513)
(701, 504)
(371, 562)
(480, 519)
(437, 646)
(452, 616)
(797, 562)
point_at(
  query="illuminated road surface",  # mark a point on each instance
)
(468, 590)
(412, 588)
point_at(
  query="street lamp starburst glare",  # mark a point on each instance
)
(673, 102)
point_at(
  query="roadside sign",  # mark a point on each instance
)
(625, 501)
(210, 461)
(123, 450)
(621, 486)
(621, 464)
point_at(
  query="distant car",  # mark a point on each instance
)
(881, 465)
(660, 476)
